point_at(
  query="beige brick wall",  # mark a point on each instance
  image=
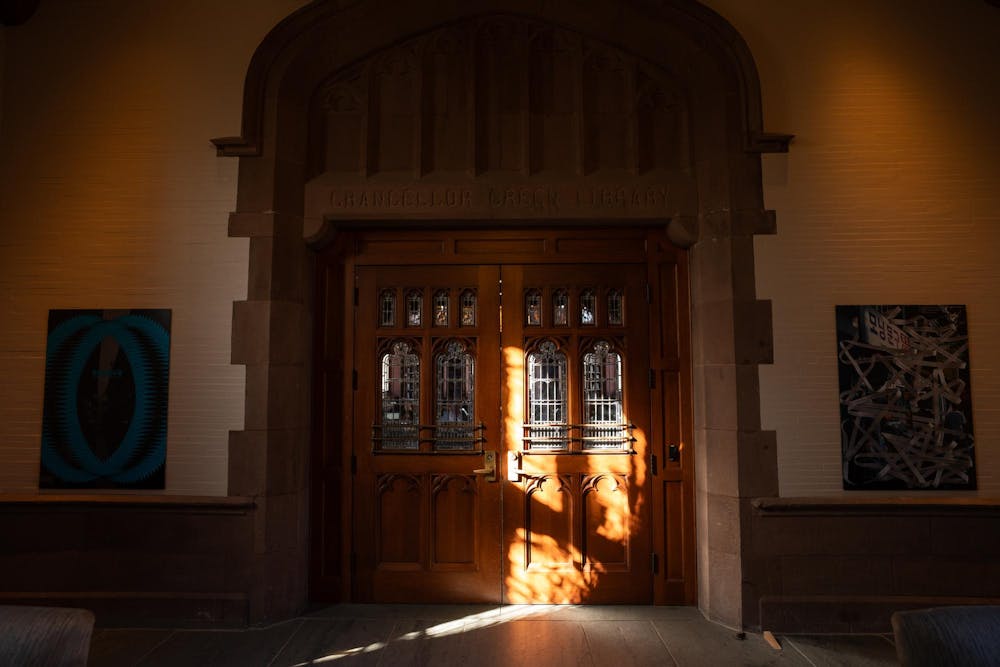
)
(890, 194)
(111, 196)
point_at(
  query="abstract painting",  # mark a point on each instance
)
(104, 423)
(905, 398)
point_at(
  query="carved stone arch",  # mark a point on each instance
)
(715, 209)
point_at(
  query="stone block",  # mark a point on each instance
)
(251, 332)
(758, 464)
(247, 462)
(720, 462)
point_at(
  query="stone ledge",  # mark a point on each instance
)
(842, 506)
(790, 614)
(146, 609)
(20, 501)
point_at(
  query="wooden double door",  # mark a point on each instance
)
(501, 426)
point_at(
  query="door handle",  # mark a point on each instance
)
(514, 470)
(490, 467)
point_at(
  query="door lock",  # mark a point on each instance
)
(489, 469)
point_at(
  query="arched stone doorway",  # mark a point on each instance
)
(347, 116)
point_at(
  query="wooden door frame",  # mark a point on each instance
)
(675, 575)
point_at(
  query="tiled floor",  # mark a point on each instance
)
(470, 636)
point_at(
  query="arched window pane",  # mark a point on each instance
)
(560, 308)
(616, 309)
(533, 308)
(604, 426)
(414, 308)
(442, 317)
(469, 308)
(400, 399)
(387, 308)
(455, 401)
(547, 408)
(588, 308)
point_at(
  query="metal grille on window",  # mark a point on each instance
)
(547, 408)
(616, 310)
(387, 308)
(605, 426)
(442, 317)
(560, 308)
(400, 400)
(588, 310)
(414, 308)
(469, 308)
(455, 405)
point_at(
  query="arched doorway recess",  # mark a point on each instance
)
(460, 115)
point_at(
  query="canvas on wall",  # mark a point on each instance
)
(905, 398)
(104, 424)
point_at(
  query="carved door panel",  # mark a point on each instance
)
(427, 527)
(577, 500)
(540, 372)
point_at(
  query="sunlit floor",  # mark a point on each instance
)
(471, 636)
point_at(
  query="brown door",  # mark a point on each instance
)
(426, 417)
(577, 502)
(547, 384)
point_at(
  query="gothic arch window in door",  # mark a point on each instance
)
(454, 410)
(442, 312)
(387, 308)
(547, 398)
(605, 426)
(414, 308)
(399, 427)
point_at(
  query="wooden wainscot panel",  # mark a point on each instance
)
(454, 528)
(399, 537)
(606, 521)
(549, 522)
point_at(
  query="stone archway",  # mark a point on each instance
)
(715, 208)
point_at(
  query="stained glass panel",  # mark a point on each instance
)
(441, 302)
(455, 401)
(604, 426)
(547, 407)
(387, 308)
(588, 310)
(414, 308)
(400, 398)
(616, 308)
(533, 308)
(469, 314)
(560, 308)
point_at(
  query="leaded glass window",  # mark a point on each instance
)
(442, 317)
(400, 399)
(533, 308)
(560, 308)
(455, 400)
(469, 314)
(604, 426)
(588, 310)
(547, 407)
(616, 310)
(414, 308)
(387, 308)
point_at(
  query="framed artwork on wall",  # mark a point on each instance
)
(104, 423)
(905, 397)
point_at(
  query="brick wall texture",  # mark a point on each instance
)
(112, 197)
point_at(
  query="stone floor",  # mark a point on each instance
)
(471, 636)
